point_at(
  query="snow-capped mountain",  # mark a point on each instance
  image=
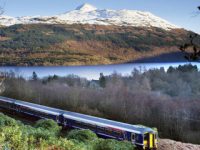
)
(88, 14)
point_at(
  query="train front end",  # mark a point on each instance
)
(150, 141)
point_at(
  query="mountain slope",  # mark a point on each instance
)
(42, 44)
(88, 14)
(87, 36)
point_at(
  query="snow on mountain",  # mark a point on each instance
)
(86, 8)
(88, 14)
(7, 20)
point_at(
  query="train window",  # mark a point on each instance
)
(92, 127)
(84, 125)
(78, 124)
(138, 138)
(117, 133)
(108, 130)
(146, 136)
(100, 129)
(7, 105)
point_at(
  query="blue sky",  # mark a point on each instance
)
(180, 12)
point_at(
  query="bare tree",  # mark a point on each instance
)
(2, 86)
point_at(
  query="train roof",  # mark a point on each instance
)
(37, 107)
(5, 99)
(108, 123)
(84, 118)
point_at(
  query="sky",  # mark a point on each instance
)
(183, 13)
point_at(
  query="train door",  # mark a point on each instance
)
(61, 119)
(125, 136)
(133, 138)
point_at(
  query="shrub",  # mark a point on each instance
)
(14, 138)
(49, 125)
(111, 144)
(23, 137)
(63, 143)
(7, 121)
(40, 133)
(82, 135)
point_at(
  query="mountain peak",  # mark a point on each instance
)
(88, 14)
(86, 7)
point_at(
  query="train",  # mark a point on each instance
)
(144, 138)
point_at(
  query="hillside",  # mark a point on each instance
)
(87, 36)
(84, 44)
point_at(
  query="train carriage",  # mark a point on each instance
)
(143, 137)
(37, 110)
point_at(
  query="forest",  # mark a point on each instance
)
(165, 99)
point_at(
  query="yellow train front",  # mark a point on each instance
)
(150, 141)
(147, 139)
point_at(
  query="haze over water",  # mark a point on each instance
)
(89, 72)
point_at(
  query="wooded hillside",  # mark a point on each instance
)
(41, 44)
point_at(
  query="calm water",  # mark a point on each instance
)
(89, 72)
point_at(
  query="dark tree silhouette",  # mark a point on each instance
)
(102, 80)
(193, 44)
(34, 76)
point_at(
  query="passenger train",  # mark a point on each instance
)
(143, 137)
